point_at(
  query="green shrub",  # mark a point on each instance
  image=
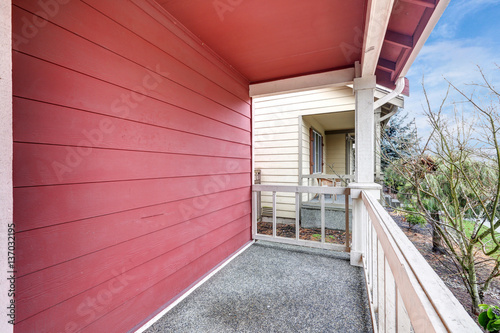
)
(414, 219)
(489, 318)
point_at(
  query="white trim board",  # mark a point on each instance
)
(6, 151)
(307, 82)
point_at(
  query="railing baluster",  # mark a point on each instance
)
(375, 259)
(369, 252)
(390, 303)
(347, 236)
(274, 214)
(254, 213)
(297, 216)
(322, 199)
(372, 256)
(403, 320)
(381, 289)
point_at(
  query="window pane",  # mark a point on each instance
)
(317, 153)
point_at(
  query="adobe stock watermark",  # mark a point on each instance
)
(94, 137)
(32, 25)
(11, 248)
(208, 191)
(95, 304)
(223, 6)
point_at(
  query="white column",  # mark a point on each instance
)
(378, 140)
(365, 163)
(6, 202)
(365, 129)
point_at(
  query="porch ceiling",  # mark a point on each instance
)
(334, 121)
(266, 40)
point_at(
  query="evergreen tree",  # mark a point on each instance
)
(398, 137)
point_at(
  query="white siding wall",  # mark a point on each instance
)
(335, 153)
(276, 136)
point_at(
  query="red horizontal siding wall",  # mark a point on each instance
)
(132, 163)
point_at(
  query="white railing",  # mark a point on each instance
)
(299, 190)
(405, 294)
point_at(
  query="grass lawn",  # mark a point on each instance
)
(469, 227)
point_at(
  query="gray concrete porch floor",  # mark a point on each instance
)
(276, 288)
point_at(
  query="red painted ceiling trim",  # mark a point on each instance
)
(423, 3)
(407, 44)
(397, 39)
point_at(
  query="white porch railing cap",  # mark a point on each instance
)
(356, 189)
(365, 186)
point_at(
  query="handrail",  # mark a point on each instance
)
(301, 189)
(429, 304)
(328, 176)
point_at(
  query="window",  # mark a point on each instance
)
(316, 153)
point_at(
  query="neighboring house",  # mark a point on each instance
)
(128, 127)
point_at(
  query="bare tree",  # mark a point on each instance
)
(455, 181)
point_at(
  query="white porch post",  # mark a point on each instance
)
(364, 88)
(378, 151)
(5, 157)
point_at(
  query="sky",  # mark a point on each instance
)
(466, 36)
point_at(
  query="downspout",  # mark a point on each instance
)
(377, 105)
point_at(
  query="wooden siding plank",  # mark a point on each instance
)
(71, 240)
(43, 81)
(273, 116)
(280, 179)
(276, 144)
(127, 20)
(272, 151)
(276, 124)
(277, 158)
(275, 130)
(277, 136)
(275, 165)
(272, 123)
